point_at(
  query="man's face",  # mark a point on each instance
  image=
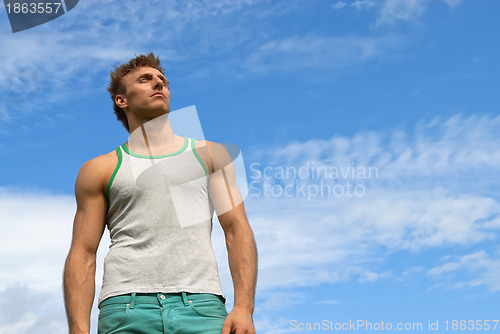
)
(146, 93)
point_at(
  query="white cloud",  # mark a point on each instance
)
(392, 11)
(363, 4)
(422, 200)
(442, 149)
(334, 240)
(339, 5)
(77, 50)
(484, 268)
(272, 325)
(401, 10)
(36, 235)
(329, 302)
(276, 300)
(47, 70)
(37, 228)
(46, 63)
(35, 240)
(315, 52)
(24, 311)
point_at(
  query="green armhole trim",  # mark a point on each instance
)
(125, 148)
(198, 157)
(120, 158)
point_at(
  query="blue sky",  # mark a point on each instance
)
(408, 88)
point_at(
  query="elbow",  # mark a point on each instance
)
(80, 258)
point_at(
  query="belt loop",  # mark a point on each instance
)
(132, 300)
(185, 299)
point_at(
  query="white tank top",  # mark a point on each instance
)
(160, 224)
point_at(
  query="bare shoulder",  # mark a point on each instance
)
(95, 173)
(100, 164)
(216, 152)
(215, 148)
(205, 143)
(199, 144)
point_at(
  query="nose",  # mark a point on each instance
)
(159, 84)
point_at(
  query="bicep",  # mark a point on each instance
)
(90, 217)
(224, 192)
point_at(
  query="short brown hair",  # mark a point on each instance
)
(115, 83)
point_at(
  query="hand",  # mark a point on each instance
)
(239, 321)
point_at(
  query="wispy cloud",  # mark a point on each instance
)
(363, 4)
(35, 241)
(344, 240)
(272, 325)
(339, 5)
(77, 49)
(483, 267)
(434, 190)
(401, 10)
(51, 60)
(436, 150)
(357, 4)
(24, 310)
(316, 52)
(391, 12)
(37, 229)
(34, 223)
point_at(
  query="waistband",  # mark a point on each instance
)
(158, 298)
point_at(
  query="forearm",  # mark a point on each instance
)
(242, 257)
(79, 291)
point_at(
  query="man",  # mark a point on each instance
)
(160, 275)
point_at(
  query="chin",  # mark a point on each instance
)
(159, 112)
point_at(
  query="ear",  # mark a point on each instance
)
(121, 101)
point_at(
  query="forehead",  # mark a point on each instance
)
(144, 70)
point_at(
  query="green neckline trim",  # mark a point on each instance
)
(120, 158)
(193, 148)
(125, 148)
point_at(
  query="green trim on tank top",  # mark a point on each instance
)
(193, 148)
(125, 148)
(120, 158)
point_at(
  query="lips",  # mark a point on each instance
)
(158, 94)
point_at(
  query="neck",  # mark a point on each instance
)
(153, 137)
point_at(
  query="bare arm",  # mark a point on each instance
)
(242, 256)
(88, 227)
(240, 243)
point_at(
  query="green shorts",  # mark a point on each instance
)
(161, 313)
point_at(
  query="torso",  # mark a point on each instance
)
(152, 213)
(107, 162)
